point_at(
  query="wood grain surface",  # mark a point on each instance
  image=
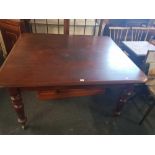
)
(39, 60)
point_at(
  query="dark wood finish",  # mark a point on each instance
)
(11, 30)
(41, 60)
(66, 26)
(85, 21)
(47, 26)
(100, 27)
(16, 100)
(127, 92)
(27, 26)
(58, 26)
(64, 66)
(74, 25)
(95, 27)
(60, 93)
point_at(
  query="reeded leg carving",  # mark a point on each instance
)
(126, 93)
(18, 105)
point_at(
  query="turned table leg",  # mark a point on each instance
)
(126, 93)
(18, 105)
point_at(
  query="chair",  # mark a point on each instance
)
(10, 31)
(150, 70)
(119, 34)
(142, 33)
(68, 26)
(92, 27)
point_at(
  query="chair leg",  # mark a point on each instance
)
(147, 112)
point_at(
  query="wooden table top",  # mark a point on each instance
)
(59, 60)
(140, 48)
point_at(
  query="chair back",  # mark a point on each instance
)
(10, 31)
(47, 26)
(68, 26)
(142, 33)
(119, 34)
(92, 27)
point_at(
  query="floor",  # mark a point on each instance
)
(91, 115)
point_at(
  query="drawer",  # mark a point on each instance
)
(69, 92)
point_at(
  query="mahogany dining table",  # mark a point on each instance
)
(56, 64)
